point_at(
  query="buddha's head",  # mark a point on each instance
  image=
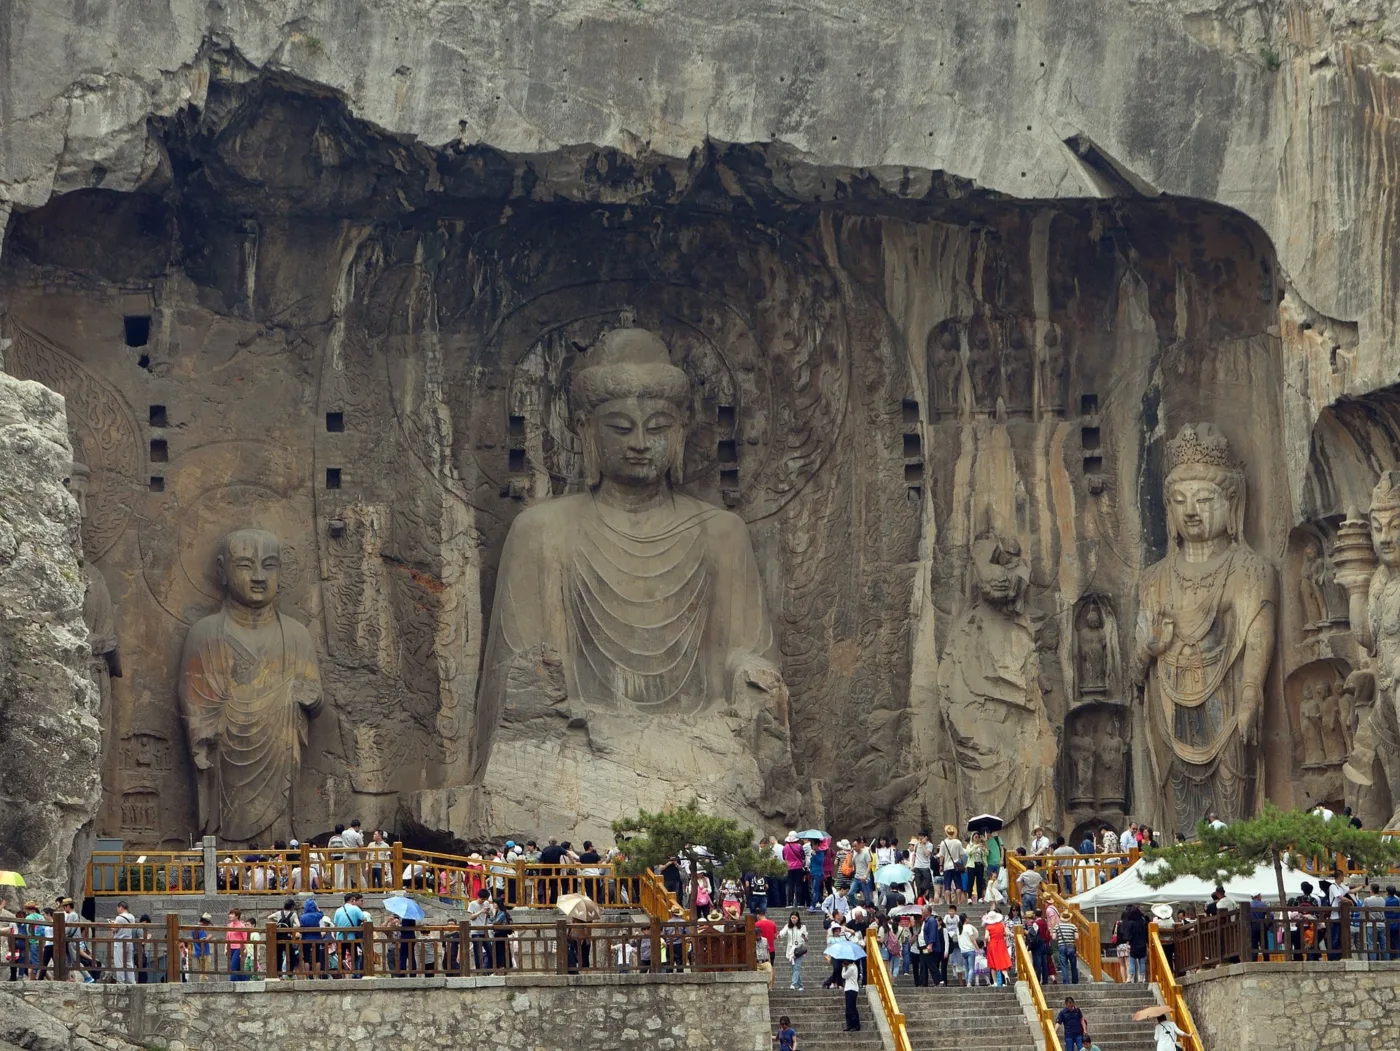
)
(250, 561)
(1093, 619)
(1204, 487)
(1385, 519)
(631, 408)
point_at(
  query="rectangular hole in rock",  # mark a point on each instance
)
(157, 416)
(137, 329)
(1089, 437)
(332, 477)
(157, 484)
(910, 411)
(1088, 404)
(1093, 464)
(335, 422)
(915, 494)
(160, 452)
(729, 479)
(517, 461)
(724, 416)
(913, 474)
(728, 451)
(913, 447)
(517, 428)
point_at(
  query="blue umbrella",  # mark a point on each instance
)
(844, 950)
(812, 833)
(404, 908)
(887, 874)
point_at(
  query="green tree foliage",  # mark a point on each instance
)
(1280, 838)
(685, 832)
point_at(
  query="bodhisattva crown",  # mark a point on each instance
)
(1386, 494)
(1200, 444)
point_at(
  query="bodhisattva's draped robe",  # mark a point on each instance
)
(248, 703)
(1195, 687)
(648, 612)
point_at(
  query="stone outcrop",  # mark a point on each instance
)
(49, 737)
(925, 271)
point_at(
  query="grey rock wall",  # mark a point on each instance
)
(48, 703)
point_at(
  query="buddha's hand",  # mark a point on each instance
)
(1161, 630)
(1251, 709)
(201, 756)
(754, 677)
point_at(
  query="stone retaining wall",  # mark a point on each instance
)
(1347, 1005)
(705, 1012)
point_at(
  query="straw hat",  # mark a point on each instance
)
(715, 916)
(204, 917)
(790, 838)
(950, 830)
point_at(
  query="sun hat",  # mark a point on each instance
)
(992, 916)
(791, 838)
(1162, 912)
(204, 917)
(950, 830)
(843, 844)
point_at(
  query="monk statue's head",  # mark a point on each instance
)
(1001, 573)
(249, 563)
(1204, 487)
(77, 482)
(1385, 519)
(631, 407)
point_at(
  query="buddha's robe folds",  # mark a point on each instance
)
(246, 695)
(638, 624)
(1195, 687)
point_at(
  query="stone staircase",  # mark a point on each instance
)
(952, 1017)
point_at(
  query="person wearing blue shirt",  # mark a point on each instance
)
(313, 947)
(1072, 1018)
(1392, 917)
(349, 920)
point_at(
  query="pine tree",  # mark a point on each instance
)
(1281, 838)
(720, 844)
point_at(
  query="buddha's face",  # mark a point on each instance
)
(636, 439)
(1199, 509)
(1001, 573)
(1385, 535)
(251, 568)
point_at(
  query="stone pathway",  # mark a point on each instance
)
(951, 1017)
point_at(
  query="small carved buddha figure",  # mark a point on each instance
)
(636, 610)
(1205, 637)
(248, 683)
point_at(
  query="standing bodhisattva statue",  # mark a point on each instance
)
(1205, 639)
(630, 661)
(248, 682)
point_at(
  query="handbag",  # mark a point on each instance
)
(799, 952)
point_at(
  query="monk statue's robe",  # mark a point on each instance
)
(630, 664)
(245, 693)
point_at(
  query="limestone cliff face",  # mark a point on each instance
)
(49, 739)
(941, 267)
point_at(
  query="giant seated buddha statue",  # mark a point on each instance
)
(630, 662)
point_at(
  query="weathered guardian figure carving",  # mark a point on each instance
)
(630, 659)
(1205, 637)
(248, 683)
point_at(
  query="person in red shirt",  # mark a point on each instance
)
(768, 931)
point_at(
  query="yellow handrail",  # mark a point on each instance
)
(880, 978)
(1026, 972)
(1159, 971)
(1088, 943)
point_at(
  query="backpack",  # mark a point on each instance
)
(286, 920)
(848, 865)
(892, 943)
(761, 953)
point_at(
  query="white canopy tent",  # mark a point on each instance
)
(1129, 888)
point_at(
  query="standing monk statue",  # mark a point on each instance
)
(630, 662)
(1205, 639)
(248, 682)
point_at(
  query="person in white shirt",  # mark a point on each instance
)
(1040, 842)
(1128, 840)
(923, 863)
(354, 841)
(1214, 821)
(836, 907)
(953, 858)
(850, 978)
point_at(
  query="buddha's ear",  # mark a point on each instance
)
(676, 468)
(592, 461)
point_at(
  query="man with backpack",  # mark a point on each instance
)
(349, 920)
(288, 920)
